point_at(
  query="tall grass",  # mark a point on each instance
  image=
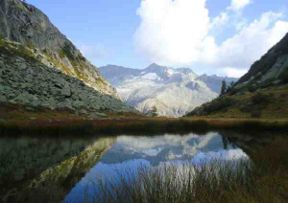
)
(216, 182)
(264, 178)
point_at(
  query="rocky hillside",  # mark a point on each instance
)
(25, 24)
(162, 90)
(262, 92)
(40, 67)
(270, 70)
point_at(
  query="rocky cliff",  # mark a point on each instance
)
(40, 67)
(23, 23)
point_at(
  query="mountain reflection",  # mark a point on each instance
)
(57, 169)
(163, 148)
(34, 169)
(131, 153)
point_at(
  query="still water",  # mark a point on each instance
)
(63, 169)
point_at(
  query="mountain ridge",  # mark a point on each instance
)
(171, 91)
(261, 93)
(41, 68)
(23, 23)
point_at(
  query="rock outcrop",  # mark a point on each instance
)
(26, 81)
(23, 23)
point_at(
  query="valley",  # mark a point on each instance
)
(72, 132)
(162, 90)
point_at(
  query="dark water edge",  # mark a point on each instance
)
(34, 169)
(146, 126)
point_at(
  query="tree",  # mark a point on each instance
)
(154, 111)
(223, 88)
(229, 88)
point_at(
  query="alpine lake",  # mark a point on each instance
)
(91, 169)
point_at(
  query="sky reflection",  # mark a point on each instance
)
(130, 153)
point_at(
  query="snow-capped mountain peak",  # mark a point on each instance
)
(172, 92)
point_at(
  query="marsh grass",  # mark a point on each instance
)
(214, 182)
(262, 178)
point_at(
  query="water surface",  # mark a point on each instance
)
(57, 169)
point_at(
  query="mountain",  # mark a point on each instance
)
(270, 70)
(169, 92)
(40, 67)
(261, 93)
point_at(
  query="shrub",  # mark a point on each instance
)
(220, 104)
(251, 88)
(256, 113)
(260, 99)
(67, 51)
(284, 76)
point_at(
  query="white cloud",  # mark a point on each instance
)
(250, 43)
(237, 5)
(180, 33)
(220, 20)
(172, 31)
(234, 72)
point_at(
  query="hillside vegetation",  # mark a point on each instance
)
(269, 102)
(261, 93)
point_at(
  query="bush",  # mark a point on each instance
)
(256, 104)
(260, 99)
(220, 104)
(67, 50)
(251, 88)
(256, 113)
(284, 76)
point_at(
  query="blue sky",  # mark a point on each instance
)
(211, 36)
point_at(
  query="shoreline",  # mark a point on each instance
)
(135, 126)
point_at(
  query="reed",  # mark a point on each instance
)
(262, 179)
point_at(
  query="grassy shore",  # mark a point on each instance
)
(20, 121)
(135, 126)
(266, 103)
(262, 179)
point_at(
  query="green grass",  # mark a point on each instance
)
(267, 103)
(13, 48)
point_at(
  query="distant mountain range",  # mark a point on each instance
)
(163, 90)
